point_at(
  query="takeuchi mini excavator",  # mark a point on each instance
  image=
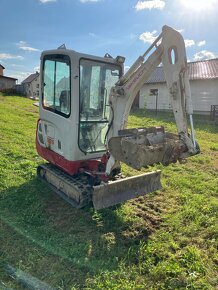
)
(82, 129)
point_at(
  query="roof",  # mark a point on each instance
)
(198, 70)
(4, 77)
(30, 78)
(2, 66)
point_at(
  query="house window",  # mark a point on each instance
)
(37, 86)
(153, 92)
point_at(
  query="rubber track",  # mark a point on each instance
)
(79, 184)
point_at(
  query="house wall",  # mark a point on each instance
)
(32, 89)
(149, 101)
(204, 94)
(6, 83)
(1, 71)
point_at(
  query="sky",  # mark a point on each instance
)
(117, 27)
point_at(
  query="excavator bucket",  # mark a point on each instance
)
(142, 147)
(121, 190)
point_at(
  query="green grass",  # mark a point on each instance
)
(165, 240)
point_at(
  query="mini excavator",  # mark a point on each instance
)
(82, 128)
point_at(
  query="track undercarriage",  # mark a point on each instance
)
(78, 191)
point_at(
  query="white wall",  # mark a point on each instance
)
(35, 87)
(145, 100)
(204, 94)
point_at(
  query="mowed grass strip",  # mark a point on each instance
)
(165, 240)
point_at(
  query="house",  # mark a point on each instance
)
(31, 85)
(6, 83)
(203, 77)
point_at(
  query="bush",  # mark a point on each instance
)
(10, 92)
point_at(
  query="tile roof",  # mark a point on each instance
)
(30, 78)
(199, 70)
(2, 66)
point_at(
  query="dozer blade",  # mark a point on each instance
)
(122, 190)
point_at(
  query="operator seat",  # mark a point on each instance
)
(64, 101)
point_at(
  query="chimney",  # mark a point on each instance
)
(1, 70)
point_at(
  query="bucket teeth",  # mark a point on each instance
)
(115, 192)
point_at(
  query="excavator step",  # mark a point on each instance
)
(77, 191)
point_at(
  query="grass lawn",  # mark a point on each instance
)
(165, 240)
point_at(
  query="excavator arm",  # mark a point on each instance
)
(146, 146)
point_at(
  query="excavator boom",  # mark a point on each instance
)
(148, 146)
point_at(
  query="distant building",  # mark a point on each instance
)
(6, 83)
(31, 85)
(203, 77)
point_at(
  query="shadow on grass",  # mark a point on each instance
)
(201, 122)
(47, 231)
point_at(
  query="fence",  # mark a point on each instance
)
(213, 112)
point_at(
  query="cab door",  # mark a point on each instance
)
(55, 108)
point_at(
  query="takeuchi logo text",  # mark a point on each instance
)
(135, 79)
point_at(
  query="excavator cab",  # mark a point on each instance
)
(74, 109)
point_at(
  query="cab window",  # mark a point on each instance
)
(56, 89)
(96, 81)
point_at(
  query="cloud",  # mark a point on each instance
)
(19, 75)
(28, 48)
(180, 30)
(91, 34)
(132, 36)
(86, 1)
(151, 4)
(15, 65)
(201, 43)
(46, 1)
(126, 68)
(10, 56)
(24, 46)
(148, 37)
(22, 74)
(36, 68)
(189, 42)
(203, 55)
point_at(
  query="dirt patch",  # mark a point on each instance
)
(145, 216)
(214, 157)
(148, 216)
